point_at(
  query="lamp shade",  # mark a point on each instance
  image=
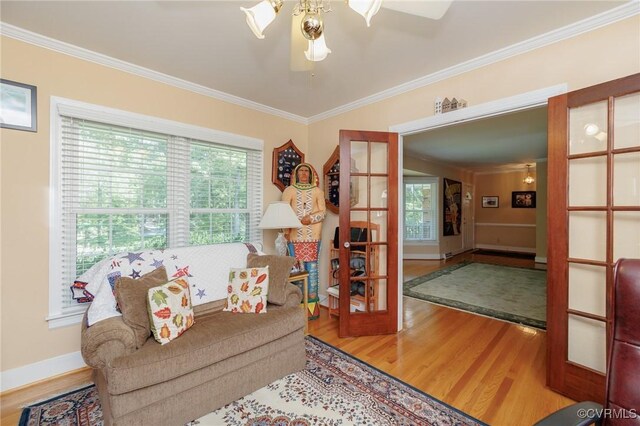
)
(279, 215)
(366, 8)
(260, 16)
(317, 50)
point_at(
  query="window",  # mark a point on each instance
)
(121, 186)
(420, 209)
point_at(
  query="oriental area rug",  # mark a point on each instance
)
(507, 293)
(333, 389)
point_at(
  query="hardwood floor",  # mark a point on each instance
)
(492, 370)
(11, 402)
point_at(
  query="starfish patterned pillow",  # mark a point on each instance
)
(170, 310)
(247, 290)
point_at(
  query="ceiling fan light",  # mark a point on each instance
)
(317, 50)
(261, 15)
(366, 8)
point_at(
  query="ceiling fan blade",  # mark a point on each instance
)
(433, 9)
(298, 62)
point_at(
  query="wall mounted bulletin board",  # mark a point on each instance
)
(452, 205)
(285, 158)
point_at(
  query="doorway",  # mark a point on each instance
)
(407, 131)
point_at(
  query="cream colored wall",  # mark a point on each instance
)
(505, 227)
(448, 244)
(24, 178)
(601, 55)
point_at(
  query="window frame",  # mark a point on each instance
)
(435, 205)
(58, 316)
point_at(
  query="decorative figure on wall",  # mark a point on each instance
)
(307, 201)
(285, 159)
(437, 107)
(452, 207)
(441, 106)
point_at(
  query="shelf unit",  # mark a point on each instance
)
(358, 303)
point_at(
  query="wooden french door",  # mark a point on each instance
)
(593, 220)
(369, 168)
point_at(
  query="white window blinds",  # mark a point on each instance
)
(124, 189)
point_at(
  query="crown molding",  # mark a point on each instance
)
(619, 13)
(512, 169)
(20, 34)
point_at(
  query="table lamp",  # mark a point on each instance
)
(280, 215)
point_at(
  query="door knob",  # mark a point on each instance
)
(347, 244)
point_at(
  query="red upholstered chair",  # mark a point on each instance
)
(622, 404)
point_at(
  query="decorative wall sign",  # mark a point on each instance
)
(523, 199)
(18, 106)
(331, 173)
(285, 159)
(452, 207)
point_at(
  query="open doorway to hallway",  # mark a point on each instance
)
(489, 157)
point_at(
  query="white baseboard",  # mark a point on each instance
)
(40, 370)
(421, 256)
(540, 259)
(506, 248)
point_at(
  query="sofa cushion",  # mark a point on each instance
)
(170, 310)
(279, 271)
(248, 288)
(131, 295)
(213, 338)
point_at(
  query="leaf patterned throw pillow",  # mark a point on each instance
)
(170, 310)
(247, 290)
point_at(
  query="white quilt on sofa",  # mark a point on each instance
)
(206, 268)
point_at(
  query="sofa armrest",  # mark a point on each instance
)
(293, 296)
(105, 341)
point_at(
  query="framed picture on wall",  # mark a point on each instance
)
(490, 201)
(18, 106)
(452, 206)
(523, 199)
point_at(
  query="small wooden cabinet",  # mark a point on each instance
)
(358, 271)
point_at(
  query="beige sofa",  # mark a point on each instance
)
(221, 358)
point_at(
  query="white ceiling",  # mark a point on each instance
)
(209, 44)
(500, 143)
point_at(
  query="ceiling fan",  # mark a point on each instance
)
(307, 25)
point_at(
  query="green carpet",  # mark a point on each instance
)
(508, 293)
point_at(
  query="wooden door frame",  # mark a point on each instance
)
(564, 377)
(507, 105)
